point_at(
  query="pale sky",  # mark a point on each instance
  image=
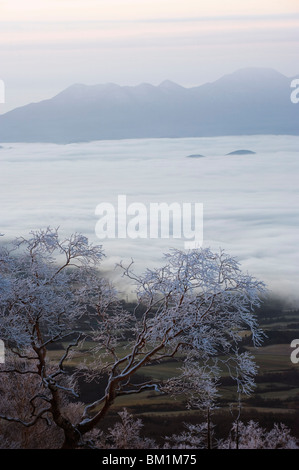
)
(47, 45)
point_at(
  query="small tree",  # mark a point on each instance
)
(126, 434)
(198, 302)
(200, 385)
(194, 437)
(253, 436)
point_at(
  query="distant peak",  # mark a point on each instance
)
(72, 90)
(253, 72)
(75, 87)
(170, 85)
(144, 85)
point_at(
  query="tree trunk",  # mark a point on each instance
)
(71, 434)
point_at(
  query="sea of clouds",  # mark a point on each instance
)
(250, 202)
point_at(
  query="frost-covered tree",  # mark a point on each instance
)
(16, 390)
(125, 434)
(199, 383)
(198, 304)
(253, 436)
(42, 302)
(193, 437)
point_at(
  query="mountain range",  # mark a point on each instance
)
(246, 102)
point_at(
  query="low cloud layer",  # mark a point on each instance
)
(250, 201)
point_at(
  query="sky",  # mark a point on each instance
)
(47, 45)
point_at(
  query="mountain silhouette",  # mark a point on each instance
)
(246, 102)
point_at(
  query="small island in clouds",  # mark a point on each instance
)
(235, 152)
(241, 152)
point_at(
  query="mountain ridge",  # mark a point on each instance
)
(247, 101)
